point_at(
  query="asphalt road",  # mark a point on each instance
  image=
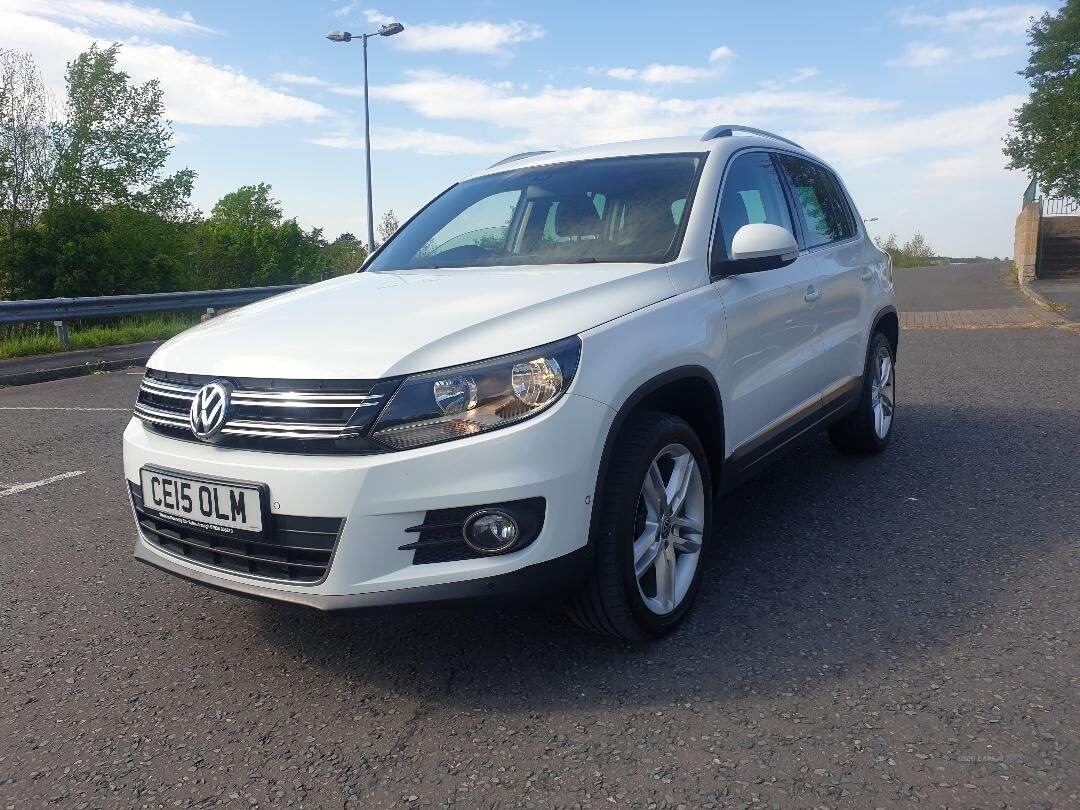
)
(898, 630)
(982, 285)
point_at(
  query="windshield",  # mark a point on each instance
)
(627, 209)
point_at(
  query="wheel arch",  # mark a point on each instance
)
(887, 322)
(689, 392)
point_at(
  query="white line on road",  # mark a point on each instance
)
(36, 484)
(30, 408)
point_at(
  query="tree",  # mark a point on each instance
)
(113, 141)
(388, 226)
(344, 255)
(1046, 142)
(249, 207)
(913, 253)
(24, 153)
(245, 243)
(917, 250)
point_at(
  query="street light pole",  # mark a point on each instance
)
(367, 157)
(387, 30)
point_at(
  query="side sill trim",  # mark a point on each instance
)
(765, 447)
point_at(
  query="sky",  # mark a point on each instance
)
(908, 102)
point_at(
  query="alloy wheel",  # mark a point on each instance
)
(669, 528)
(882, 392)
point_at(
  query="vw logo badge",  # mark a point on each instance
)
(209, 410)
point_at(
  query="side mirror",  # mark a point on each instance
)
(759, 247)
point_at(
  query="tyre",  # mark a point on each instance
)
(868, 428)
(652, 531)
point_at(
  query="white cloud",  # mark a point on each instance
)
(297, 78)
(197, 90)
(947, 136)
(420, 141)
(967, 35)
(721, 54)
(346, 9)
(107, 15)
(477, 36)
(802, 74)
(1008, 19)
(942, 173)
(661, 74)
(553, 116)
(922, 55)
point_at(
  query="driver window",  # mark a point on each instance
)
(483, 225)
(752, 193)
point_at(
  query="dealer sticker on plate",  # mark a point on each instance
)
(220, 506)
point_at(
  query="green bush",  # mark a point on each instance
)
(913, 253)
(30, 339)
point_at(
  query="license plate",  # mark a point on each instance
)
(220, 506)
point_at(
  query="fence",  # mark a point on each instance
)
(62, 310)
(1050, 206)
(1060, 207)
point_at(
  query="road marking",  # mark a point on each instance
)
(36, 484)
(31, 408)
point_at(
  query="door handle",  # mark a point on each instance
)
(867, 274)
(812, 294)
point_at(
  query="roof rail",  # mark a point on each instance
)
(521, 156)
(727, 130)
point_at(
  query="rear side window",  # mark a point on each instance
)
(752, 193)
(825, 213)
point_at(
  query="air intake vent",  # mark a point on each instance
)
(294, 549)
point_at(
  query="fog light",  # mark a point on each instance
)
(490, 531)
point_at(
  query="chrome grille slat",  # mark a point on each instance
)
(172, 395)
(157, 386)
(163, 417)
(296, 427)
(238, 400)
(313, 396)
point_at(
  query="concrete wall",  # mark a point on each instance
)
(1026, 240)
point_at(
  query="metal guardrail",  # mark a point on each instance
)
(61, 310)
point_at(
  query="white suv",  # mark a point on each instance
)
(541, 382)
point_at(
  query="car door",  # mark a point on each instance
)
(845, 268)
(773, 363)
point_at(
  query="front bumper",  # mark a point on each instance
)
(558, 575)
(555, 456)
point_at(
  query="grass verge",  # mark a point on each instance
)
(30, 339)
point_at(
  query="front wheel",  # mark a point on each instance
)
(868, 428)
(653, 529)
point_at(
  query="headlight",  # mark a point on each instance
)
(456, 402)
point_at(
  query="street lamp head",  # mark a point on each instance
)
(390, 29)
(339, 36)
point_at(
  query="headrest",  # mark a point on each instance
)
(576, 216)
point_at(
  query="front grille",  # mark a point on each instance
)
(300, 416)
(292, 549)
